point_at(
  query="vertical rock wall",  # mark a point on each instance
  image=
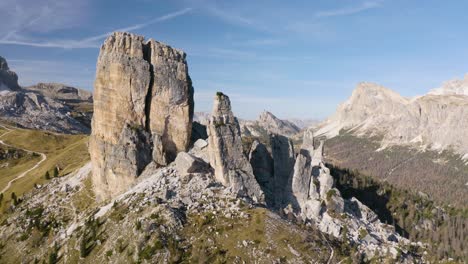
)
(232, 169)
(143, 110)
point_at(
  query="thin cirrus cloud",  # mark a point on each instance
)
(89, 42)
(349, 10)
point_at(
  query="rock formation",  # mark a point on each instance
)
(312, 183)
(453, 87)
(267, 123)
(263, 169)
(232, 169)
(61, 92)
(282, 151)
(143, 109)
(8, 79)
(437, 120)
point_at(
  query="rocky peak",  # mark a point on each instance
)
(267, 123)
(453, 87)
(143, 110)
(3, 64)
(266, 116)
(222, 106)
(232, 169)
(372, 92)
(8, 79)
(430, 121)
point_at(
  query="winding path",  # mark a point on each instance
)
(44, 157)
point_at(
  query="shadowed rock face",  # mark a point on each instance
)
(232, 169)
(263, 169)
(8, 79)
(282, 150)
(143, 110)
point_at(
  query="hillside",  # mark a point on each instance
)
(50, 151)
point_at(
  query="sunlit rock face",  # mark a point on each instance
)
(232, 169)
(436, 120)
(143, 110)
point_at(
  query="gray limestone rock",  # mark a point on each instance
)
(186, 164)
(232, 169)
(143, 86)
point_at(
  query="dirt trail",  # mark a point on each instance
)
(43, 158)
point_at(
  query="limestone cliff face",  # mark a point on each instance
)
(436, 120)
(143, 110)
(232, 169)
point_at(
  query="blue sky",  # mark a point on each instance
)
(295, 58)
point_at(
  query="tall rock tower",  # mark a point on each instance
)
(143, 110)
(231, 167)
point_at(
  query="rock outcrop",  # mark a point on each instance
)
(61, 92)
(282, 151)
(232, 169)
(315, 199)
(8, 79)
(143, 110)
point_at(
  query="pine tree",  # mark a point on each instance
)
(14, 198)
(56, 172)
(47, 175)
(83, 247)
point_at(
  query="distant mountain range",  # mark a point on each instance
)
(415, 143)
(436, 121)
(47, 106)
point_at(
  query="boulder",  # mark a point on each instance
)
(143, 97)
(200, 150)
(186, 164)
(232, 169)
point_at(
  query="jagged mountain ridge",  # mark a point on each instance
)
(268, 123)
(53, 107)
(432, 121)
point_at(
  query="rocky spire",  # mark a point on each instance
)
(232, 169)
(263, 168)
(312, 183)
(282, 150)
(143, 110)
(8, 79)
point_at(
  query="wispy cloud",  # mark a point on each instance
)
(88, 42)
(350, 10)
(40, 15)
